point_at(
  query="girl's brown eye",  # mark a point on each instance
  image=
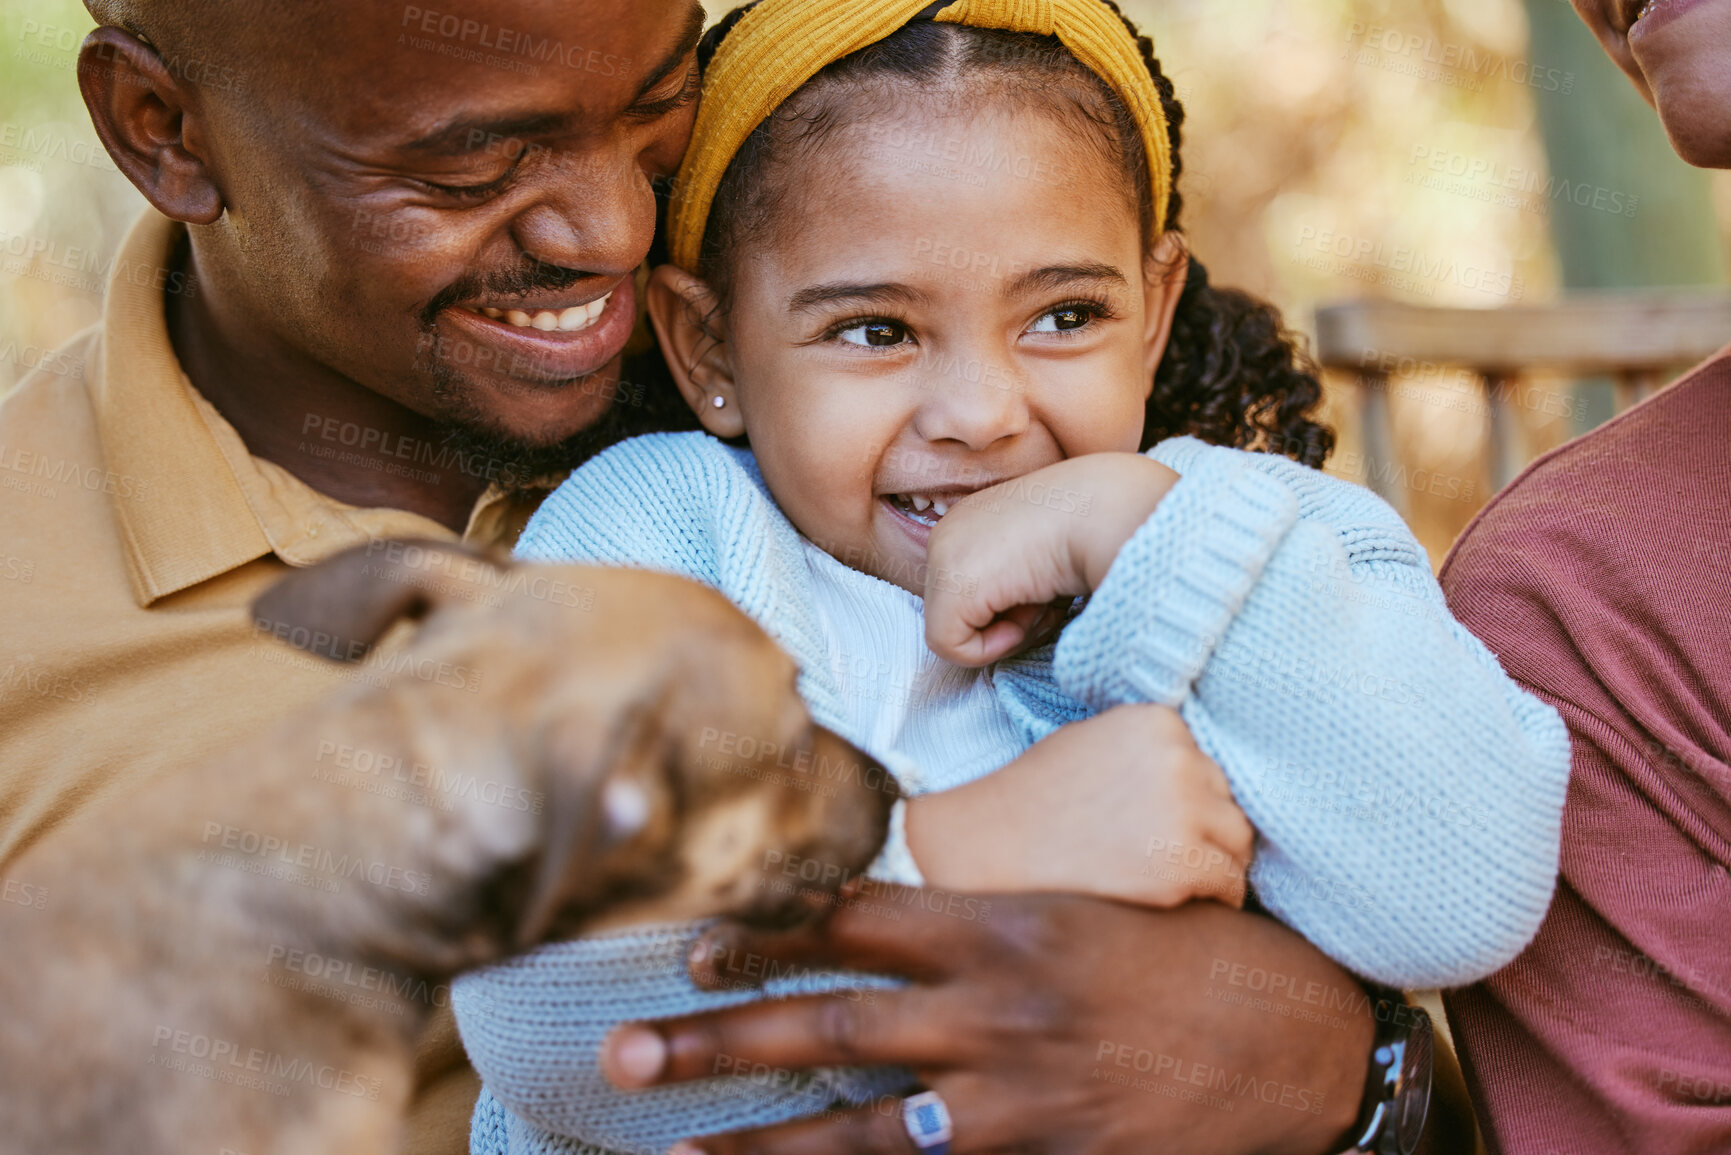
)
(877, 334)
(1066, 319)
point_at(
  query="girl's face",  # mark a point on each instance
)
(944, 303)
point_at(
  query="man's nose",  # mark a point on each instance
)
(972, 402)
(590, 214)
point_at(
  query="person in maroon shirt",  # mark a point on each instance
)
(1599, 579)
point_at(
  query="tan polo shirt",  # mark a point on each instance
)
(135, 530)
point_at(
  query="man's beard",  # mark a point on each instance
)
(509, 460)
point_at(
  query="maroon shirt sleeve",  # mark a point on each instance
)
(1600, 579)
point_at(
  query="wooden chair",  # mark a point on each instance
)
(1635, 338)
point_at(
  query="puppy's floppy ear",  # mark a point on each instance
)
(605, 789)
(341, 607)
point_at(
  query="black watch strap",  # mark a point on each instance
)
(1398, 1085)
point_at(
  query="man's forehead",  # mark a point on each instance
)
(439, 74)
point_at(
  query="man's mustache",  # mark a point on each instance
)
(527, 276)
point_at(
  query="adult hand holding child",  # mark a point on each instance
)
(1061, 1024)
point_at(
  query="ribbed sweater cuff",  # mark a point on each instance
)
(1176, 586)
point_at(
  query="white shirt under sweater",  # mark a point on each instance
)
(946, 723)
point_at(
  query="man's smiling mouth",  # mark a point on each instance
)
(545, 336)
(1636, 11)
(568, 320)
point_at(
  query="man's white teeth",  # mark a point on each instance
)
(921, 503)
(547, 320)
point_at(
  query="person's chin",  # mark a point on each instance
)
(1697, 116)
(539, 415)
(1685, 57)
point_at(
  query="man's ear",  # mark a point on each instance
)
(694, 341)
(1164, 273)
(142, 114)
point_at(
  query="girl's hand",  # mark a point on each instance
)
(1005, 561)
(1122, 805)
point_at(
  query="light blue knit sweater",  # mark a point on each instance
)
(1407, 795)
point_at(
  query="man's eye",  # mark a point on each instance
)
(1064, 320)
(492, 188)
(673, 102)
(471, 192)
(875, 333)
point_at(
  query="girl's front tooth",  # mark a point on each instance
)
(940, 507)
(921, 504)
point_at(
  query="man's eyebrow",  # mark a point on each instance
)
(469, 134)
(888, 293)
(1054, 277)
(688, 38)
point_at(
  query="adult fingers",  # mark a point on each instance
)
(880, 927)
(906, 1028)
(986, 1115)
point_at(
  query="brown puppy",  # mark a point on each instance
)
(587, 772)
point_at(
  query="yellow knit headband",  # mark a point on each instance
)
(781, 44)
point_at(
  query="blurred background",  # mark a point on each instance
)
(1442, 153)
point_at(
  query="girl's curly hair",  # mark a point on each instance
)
(1232, 373)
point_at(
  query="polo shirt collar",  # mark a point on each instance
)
(194, 503)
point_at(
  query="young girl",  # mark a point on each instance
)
(930, 303)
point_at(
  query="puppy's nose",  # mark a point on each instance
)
(857, 811)
(833, 822)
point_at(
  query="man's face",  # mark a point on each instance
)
(1679, 53)
(446, 203)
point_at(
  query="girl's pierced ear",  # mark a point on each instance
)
(720, 402)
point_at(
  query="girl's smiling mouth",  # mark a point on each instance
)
(919, 508)
(919, 511)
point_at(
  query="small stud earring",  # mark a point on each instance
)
(721, 403)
